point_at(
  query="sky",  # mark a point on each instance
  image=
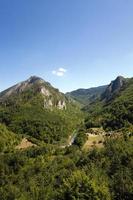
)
(70, 43)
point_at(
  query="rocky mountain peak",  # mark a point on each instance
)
(113, 88)
(119, 81)
(34, 86)
(34, 79)
(22, 86)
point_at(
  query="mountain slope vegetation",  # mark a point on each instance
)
(35, 108)
(56, 166)
(115, 110)
(41, 173)
(86, 96)
(8, 139)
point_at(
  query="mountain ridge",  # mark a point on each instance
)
(37, 161)
(103, 93)
(113, 88)
(34, 107)
(37, 85)
(85, 96)
(114, 110)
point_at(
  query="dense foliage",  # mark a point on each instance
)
(81, 137)
(51, 173)
(24, 116)
(8, 140)
(57, 167)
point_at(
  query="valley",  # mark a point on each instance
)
(66, 100)
(52, 143)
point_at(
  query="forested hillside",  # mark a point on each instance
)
(35, 108)
(115, 110)
(56, 165)
(45, 173)
(86, 96)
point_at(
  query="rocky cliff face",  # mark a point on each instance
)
(61, 105)
(51, 96)
(113, 88)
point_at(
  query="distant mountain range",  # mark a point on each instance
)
(86, 96)
(37, 101)
(105, 92)
(73, 146)
(110, 106)
(52, 97)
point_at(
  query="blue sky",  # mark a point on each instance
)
(70, 43)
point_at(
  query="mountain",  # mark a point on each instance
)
(51, 97)
(114, 110)
(113, 88)
(104, 93)
(35, 108)
(36, 162)
(86, 96)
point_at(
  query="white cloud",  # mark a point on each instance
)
(62, 69)
(59, 72)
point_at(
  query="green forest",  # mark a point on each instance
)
(57, 166)
(49, 172)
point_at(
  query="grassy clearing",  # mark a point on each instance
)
(94, 141)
